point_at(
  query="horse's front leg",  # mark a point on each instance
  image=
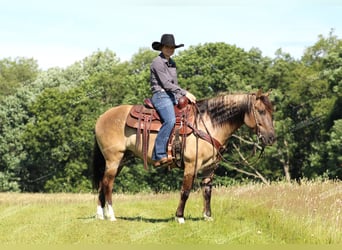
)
(206, 186)
(188, 181)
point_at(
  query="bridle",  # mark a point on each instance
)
(257, 129)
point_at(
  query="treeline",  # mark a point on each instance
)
(47, 117)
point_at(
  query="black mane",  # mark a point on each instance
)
(225, 108)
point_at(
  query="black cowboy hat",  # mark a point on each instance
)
(166, 39)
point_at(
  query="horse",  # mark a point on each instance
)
(219, 117)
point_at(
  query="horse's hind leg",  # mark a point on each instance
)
(101, 203)
(105, 202)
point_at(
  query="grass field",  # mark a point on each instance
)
(250, 214)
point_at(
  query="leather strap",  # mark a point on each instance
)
(146, 138)
(203, 135)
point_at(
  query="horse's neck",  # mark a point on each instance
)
(227, 115)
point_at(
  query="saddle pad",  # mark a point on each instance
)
(142, 117)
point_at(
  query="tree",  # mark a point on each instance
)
(47, 117)
(137, 81)
(16, 78)
(13, 116)
(334, 151)
(218, 67)
(15, 73)
(59, 135)
(325, 58)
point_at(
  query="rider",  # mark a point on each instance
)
(166, 93)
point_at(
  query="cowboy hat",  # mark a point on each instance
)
(166, 39)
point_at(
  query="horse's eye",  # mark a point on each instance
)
(262, 112)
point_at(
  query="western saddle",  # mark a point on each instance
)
(146, 119)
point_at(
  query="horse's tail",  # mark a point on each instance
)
(98, 165)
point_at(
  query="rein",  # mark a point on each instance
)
(216, 144)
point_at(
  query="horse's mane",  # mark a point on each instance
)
(225, 108)
(228, 107)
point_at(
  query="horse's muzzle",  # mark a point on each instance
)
(267, 140)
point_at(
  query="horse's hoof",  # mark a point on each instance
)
(99, 213)
(109, 213)
(180, 220)
(112, 219)
(208, 218)
(99, 216)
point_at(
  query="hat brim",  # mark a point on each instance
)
(158, 46)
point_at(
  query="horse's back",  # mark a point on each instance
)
(113, 118)
(110, 126)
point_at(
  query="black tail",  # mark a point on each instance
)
(98, 166)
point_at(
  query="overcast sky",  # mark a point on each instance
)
(59, 33)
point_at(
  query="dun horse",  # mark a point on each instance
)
(217, 118)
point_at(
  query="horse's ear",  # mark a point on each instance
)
(268, 92)
(259, 94)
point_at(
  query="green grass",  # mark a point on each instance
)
(248, 215)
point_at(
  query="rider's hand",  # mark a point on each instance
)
(191, 97)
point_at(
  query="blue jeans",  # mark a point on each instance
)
(163, 103)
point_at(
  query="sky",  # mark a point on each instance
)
(60, 33)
